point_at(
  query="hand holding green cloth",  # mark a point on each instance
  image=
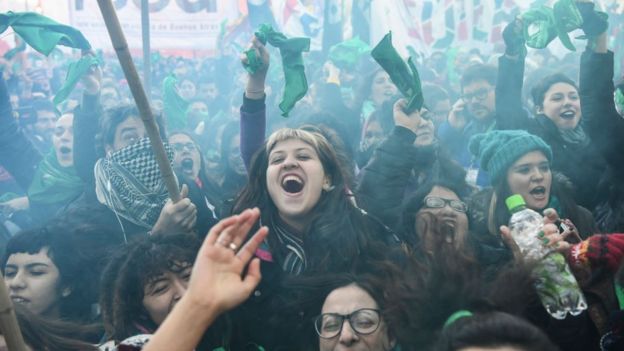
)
(567, 19)
(41, 32)
(75, 71)
(174, 105)
(292, 63)
(54, 184)
(543, 19)
(404, 76)
(347, 53)
(564, 17)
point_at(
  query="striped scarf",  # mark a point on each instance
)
(295, 261)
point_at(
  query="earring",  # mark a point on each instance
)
(66, 292)
(328, 187)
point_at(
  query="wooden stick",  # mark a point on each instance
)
(125, 59)
(8, 322)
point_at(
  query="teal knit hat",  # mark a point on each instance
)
(497, 150)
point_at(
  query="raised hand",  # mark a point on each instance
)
(217, 279)
(411, 121)
(255, 82)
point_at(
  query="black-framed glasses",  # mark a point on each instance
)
(479, 94)
(364, 321)
(438, 202)
(179, 147)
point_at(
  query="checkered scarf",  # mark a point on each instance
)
(129, 182)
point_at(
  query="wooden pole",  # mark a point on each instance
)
(145, 33)
(8, 322)
(125, 59)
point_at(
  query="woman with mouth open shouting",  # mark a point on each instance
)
(518, 163)
(561, 117)
(298, 183)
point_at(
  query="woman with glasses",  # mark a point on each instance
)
(190, 167)
(351, 319)
(409, 164)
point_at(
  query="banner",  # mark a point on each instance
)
(174, 24)
(429, 25)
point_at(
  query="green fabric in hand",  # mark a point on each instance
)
(75, 71)
(291, 50)
(539, 27)
(404, 76)
(174, 106)
(41, 32)
(347, 53)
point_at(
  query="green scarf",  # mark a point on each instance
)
(42, 33)
(404, 76)
(75, 71)
(53, 184)
(174, 105)
(347, 53)
(544, 19)
(292, 62)
(567, 18)
(558, 21)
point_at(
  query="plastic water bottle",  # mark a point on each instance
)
(555, 284)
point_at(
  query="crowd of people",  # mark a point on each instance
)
(353, 224)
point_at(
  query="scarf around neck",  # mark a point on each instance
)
(129, 182)
(295, 261)
(575, 136)
(54, 184)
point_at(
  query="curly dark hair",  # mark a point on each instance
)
(130, 270)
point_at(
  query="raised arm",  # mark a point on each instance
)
(17, 153)
(86, 124)
(384, 180)
(600, 118)
(510, 113)
(253, 110)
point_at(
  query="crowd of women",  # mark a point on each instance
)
(351, 225)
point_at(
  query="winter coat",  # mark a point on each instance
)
(584, 165)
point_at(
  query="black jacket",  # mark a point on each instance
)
(584, 165)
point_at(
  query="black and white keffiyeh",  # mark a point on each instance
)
(129, 182)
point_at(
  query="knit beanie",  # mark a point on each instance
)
(497, 150)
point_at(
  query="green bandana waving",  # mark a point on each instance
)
(292, 62)
(404, 76)
(41, 32)
(174, 105)
(75, 71)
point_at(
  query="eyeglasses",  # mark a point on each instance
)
(364, 321)
(480, 94)
(438, 202)
(181, 146)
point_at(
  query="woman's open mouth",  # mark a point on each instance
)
(538, 192)
(568, 115)
(292, 184)
(187, 164)
(65, 150)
